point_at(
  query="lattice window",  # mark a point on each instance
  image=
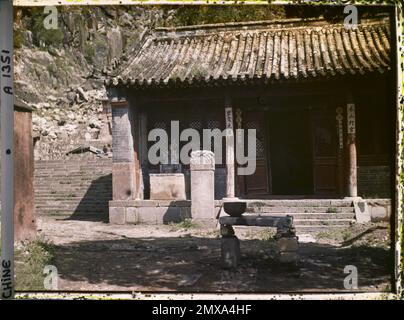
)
(196, 124)
(159, 124)
(260, 142)
(213, 124)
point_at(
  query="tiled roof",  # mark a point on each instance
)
(256, 51)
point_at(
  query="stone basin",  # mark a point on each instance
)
(234, 208)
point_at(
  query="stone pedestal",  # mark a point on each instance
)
(287, 248)
(230, 252)
(123, 169)
(167, 186)
(202, 186)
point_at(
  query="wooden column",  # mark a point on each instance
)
(230, 178)
(24, 205)
(143, 152)
(340, 153)
(351, 144)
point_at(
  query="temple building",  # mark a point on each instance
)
(319, 95)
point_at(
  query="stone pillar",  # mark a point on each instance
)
(352, 160)
(203, 186)
(230, 247)
(123, 175)
(106, 129)
(230, 176)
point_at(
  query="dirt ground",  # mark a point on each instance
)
(98, 256)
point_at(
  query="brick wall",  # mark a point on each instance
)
(374, 181)
(78, 187)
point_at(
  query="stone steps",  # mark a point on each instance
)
(64, 188)
(296, 209)
(63, 213)
(299, 203)
(323, 222)
(302, 229)
(310, 215)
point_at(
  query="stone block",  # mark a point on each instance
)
(202, 185)
(362, 212)
(379, 211)
(182, 203)
(230, 255)
(169, 215)
(159, 215)
(226, 231)
(185, 212)
(287, 244)
(147, 215)
(117, 215)
(167, 186)
(122, 181)
(288, 257)
(132, 215)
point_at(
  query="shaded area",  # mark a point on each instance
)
(190, 263)
(93, 205)
(362, 235)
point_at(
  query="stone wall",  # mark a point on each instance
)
(152, 211)
(78, 187)
(220, 183)
(374, 181)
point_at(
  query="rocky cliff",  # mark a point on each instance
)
(61, 72)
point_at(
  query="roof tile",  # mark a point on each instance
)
(245, 52)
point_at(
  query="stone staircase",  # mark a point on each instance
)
(76, 188)
(309, 215)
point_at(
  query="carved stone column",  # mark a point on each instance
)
(123, 175)
(203, 185)
(230, 175)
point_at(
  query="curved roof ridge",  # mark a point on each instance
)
(266, 23)
(269, 51)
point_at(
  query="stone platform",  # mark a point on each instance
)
(309, 215)
(287, 242)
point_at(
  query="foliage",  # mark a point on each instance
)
(30, 260)
(89, 52)
(42, 36)
(184, 224)
(192, 15)
(17, 39)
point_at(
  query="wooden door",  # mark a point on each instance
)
(258, 183)
(324, 141)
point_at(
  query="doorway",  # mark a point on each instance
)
(290, 156)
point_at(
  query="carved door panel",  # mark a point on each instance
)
(324, 139)
(258, 182)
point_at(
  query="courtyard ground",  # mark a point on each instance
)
(185, 257)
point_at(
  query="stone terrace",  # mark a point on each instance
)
(79, 188)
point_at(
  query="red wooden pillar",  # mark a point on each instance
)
(24, 206)
(351, 146)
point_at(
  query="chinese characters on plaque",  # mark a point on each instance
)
(351, 118)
